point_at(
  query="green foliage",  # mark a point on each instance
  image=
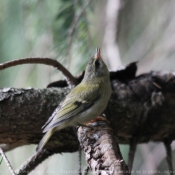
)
(40, 28)
(69, 35)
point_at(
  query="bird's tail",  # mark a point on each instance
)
(44, 140)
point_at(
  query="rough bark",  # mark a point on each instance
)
(24, 111)
(141, 108)
(101, 150)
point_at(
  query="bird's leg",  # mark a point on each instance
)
(91, 127)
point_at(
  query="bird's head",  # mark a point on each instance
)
(96, 68)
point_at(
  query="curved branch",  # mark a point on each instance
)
(47, 61)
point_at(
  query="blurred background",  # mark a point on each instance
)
(69, 31)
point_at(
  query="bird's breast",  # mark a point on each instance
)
(95, 110)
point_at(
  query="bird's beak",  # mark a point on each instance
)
(97, 54)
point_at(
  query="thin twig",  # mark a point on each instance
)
(7, 162)
(167, 144)
(1, 160)
(74, 4)
(132, 150)
(47, 61)
(79, 154)
(34, 161)
(86, 170)
(74, 25)
(75, 21)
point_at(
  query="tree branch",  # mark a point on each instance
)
(167, 144)
(7, 162)
(24, 112)
(75, 22)
(34, 161)
(101, 150)
(137, 109)
(47, 61)
(132, 150)
(133, 107)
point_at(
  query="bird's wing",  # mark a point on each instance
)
(73, 104)
(52, 116)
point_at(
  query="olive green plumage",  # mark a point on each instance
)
(85, 102)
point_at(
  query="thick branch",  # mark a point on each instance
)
(142, 108)
(24, 111)
(101, 150)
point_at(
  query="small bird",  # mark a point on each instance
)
(84, 103)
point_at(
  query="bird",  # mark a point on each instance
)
(84, 102)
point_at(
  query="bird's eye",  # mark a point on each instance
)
(97, 64)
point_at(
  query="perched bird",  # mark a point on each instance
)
(85, 102)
